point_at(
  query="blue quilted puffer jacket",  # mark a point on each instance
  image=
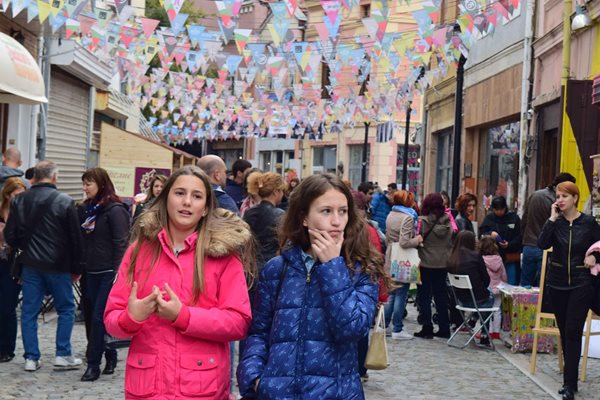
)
(303, 344)
(380, 209)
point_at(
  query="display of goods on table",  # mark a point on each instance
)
(519, 307)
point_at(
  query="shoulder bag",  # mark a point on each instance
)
(404, 263)
(377, 354)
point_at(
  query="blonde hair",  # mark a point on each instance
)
(263, 184)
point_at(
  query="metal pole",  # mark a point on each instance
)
(405, 157)
(363, 176)
(458, 109)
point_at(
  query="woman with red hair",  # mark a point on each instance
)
(465, 204)
(569, 283)
(401, 223)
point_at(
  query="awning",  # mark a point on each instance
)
(20, 77)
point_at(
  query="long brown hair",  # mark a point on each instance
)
(106, 189)
(357, 247)
(153, 220)
(464, 240)
(150, 193)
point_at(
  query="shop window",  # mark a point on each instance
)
(324, 159)
(355, 157)
(445, 150)
(499, 155)
(414, 167)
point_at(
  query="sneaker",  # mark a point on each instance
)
(68, 361)
(32, 365)
(402, 335)
(388, 331)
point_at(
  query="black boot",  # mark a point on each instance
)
(110, 366)
(564, 388)
(91, 374)
(569, 393)
(425, 333)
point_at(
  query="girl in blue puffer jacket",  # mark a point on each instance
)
(315, 300)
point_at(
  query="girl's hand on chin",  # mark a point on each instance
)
(325, 247)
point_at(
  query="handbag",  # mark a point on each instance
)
(512, 257)
(404, 264)
(377, 354)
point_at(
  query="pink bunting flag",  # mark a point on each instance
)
(86, 24)
(148, 26)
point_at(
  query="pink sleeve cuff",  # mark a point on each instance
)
(183, 319)
(128, 324)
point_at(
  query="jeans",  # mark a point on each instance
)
(97, 289)
(531, 266)
(363, 347)
(35, 285)
(487, 303)
(434, 285)
(570, 309)
(395, 306)
(9, 297)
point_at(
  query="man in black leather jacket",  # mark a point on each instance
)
(44, 224)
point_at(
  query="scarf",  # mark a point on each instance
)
(91, 212)
(408, 211)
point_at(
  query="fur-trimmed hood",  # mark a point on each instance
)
(227, 232)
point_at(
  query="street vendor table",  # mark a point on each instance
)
(518, 318)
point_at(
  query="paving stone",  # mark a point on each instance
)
(420, 369)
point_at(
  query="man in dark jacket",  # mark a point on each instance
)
(537, 211)
(43, 223)
(216, 170)
(505, 227)
(234, 186)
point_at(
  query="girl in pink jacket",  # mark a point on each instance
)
(181, 293)
(495, 268)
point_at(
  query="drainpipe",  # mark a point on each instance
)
(90, 127)
(44, 62)
(363, 175)
(525, 101)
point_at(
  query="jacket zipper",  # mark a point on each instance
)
(569, 260)
(301, 331)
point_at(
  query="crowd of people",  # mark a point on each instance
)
(292, 269)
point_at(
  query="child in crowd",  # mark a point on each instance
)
(315, 301)
(495, 268)
(181, 293)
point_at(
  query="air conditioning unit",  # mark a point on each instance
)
(596, 91)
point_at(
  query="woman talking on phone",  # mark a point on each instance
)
(568, 278)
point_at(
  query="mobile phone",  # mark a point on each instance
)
(557, 209)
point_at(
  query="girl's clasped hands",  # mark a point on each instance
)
(164, 303)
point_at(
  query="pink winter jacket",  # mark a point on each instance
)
(187, 358)
(496, 270)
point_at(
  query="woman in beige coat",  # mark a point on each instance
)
(401, 226)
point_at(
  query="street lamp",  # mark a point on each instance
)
(405, 160)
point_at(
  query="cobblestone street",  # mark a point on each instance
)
(421, 369)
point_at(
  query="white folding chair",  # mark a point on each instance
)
(463, 282)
